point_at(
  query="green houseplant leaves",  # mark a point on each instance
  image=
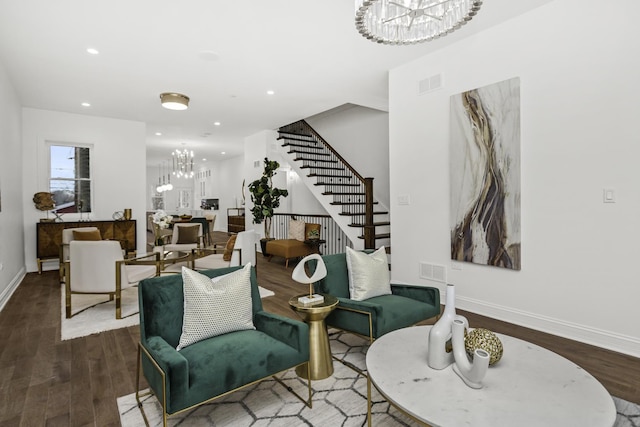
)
(265, 197)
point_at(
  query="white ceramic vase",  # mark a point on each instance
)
(438, 356)
(471, 373)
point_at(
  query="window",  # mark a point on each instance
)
(70, 178)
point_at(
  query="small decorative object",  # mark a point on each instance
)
(439, 354)
(117, 216)
(185, 216)
(471, 373)
(486, 340)
(161, 221)
(44, 202)
(300, 275)
(127, 214)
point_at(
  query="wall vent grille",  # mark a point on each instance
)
(429, 84)
(434, 272)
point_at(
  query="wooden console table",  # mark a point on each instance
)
(49, 236)
(235, 223)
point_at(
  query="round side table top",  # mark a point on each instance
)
(327, 305)
(529, 386)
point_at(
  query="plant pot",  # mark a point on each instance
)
(263, 246)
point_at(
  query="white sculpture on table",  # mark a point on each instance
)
(446, 345)
(438, 356)
(300, 275)
(471, 373)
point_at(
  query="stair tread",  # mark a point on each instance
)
(322, 167)
(334, 184)
(315, 160)
(350, 203)
(330, 176)
(332, 193)
(375, 224)
(306, 152)
(311, 147)
(352, 213)
(284, 132)
(378, 236)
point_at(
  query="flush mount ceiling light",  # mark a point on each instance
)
(402, 22)
(174, 101)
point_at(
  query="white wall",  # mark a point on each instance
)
(361, 136)
(118, 167)
(12, 268)
(579, 86)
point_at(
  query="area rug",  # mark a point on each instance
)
(95, 313)
(340, 400)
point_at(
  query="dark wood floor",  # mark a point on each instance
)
(48, 382)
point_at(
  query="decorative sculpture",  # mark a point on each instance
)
(300, 275)
(471, 373)
(486, 340)
(44, 202)
(439, 354)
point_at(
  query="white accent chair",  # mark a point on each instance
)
(98, 267)
(244, 251)
(183, 246)
(67, 236)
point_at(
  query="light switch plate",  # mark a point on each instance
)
(608, 195)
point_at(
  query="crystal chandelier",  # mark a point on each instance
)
(182, 163)
(402, 22)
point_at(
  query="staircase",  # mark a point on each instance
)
(344, 193)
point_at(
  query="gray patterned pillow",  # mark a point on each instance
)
(215, 306)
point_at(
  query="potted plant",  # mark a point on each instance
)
(265, 199)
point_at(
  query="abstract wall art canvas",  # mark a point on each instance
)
(485, 175)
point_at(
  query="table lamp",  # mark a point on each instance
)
(300, 275)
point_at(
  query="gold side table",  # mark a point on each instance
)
(320, 361)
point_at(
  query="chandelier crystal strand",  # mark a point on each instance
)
(402, 22)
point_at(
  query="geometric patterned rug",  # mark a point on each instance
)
(340, 400)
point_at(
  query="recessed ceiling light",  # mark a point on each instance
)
(204, 160)
(223, 152)
(270, 92)
(216, 123)
(86, 104)
(158, 133)
(93, 51)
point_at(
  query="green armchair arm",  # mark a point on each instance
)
(349, 304)
(291, 332)
(172, 363)
(425, 294)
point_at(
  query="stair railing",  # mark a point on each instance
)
(365, 185)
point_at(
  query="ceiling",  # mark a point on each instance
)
(225, 55)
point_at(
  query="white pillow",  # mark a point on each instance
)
(296, 230)
(215, 306)
(368, 274)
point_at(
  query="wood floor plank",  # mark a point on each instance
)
(77, 382)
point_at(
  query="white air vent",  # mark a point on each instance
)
(256, 163)
(429, 84)
(434, 272)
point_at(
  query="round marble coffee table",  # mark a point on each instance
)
(529, 386)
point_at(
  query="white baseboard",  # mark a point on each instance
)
(13, 285)
(597, 337)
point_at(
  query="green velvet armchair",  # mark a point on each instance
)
(215, 366)
(374, 317)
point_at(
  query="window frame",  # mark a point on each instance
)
(89, 180)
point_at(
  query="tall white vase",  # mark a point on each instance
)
(439, 355)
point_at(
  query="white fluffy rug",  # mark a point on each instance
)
(95, 313)
(340, 400)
